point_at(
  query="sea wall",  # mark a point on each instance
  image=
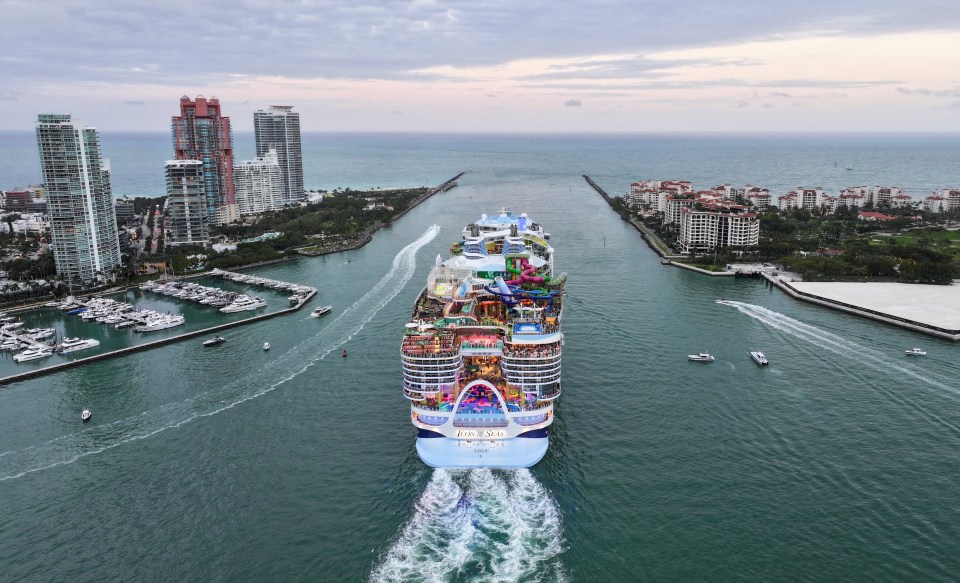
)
(864, 312)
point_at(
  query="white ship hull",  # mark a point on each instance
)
(517, 452)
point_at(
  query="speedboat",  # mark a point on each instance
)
(702, 357)
(266, 346)
(722, 301)
(214, 341)
(320, 310)
(86, 415)
(759, 358)
(915, 352)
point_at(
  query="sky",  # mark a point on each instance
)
(490, 65)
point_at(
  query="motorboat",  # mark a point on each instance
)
(86, 415)
(701, 357)
(320, 310)
(759, 358)
(722, 301)
(266, 346)
(915, 352)
(214, 341)
(74, 344)
(33, 354)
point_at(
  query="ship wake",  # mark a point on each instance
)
(96, 439)
(478, 525)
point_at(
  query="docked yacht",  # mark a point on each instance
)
(701, 357)
(320, 310)
(34, 353)
(244, 303)
(759, 358)
(75, 344)
(915, 352)
(160, 323)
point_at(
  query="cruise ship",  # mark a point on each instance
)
(481, 354)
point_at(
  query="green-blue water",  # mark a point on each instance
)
(835, 463)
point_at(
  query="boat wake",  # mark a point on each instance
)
(99, 438)
(478, 525)
(839, 345)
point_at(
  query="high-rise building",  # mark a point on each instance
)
(258, 184)
(201, 132)
(187, 203)
(76, 179)
(279, 129)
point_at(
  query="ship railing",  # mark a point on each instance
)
(480, 421)
(533, 367)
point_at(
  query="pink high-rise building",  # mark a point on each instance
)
(201, 132)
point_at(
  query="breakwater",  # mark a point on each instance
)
(649, 237)
(914, 325)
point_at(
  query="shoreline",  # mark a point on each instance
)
(368, 233)
(793, 292)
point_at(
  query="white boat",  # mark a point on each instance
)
(214, 341)
(160, 323)
(33, 354)
(320, 310)
(266, 346)
(701, 357)
(759, 358)
(74, 344)
(915, 352)
(244, 303)
(86, 415)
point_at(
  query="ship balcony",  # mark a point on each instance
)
(532, 378)
(413, 395)
(544, 368)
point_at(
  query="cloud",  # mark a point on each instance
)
(122, 41)
(573, 103)
(930, 92)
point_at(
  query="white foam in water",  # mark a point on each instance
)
(478, 525)
(837, 344)
(99, 438)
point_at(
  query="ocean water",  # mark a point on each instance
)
(835, 463)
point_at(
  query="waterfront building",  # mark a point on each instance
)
(851, 199)
(259, 186)
(901, 201)
(829, 204)
(201, 132)
(946, 199)
(674, 204)
(279, 129)
(788, 201)
(758, 197)
(655, 192)
(76, 179)
(936, 204)
(718, 225)
(186, 204)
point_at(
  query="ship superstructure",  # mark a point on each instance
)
(481, 354)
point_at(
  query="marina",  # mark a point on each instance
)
(113, 314)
